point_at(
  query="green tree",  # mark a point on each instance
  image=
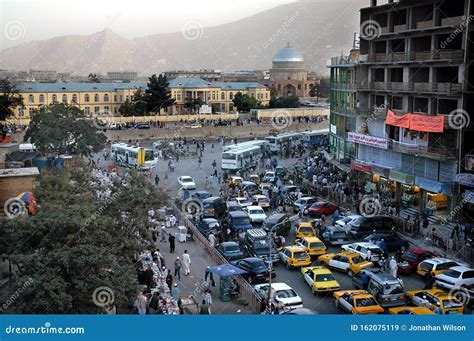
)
(158, 94)
(314, 90)
(74, 246)
(127, 108)
(10, 98)
(244, 102)
(273, 92)
(63, 129)
(324, 87)
(284, 102)
(93, 78)
(193, 104)
(139, 102)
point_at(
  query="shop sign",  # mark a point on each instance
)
(367, 140)
(465, 179)
(402, 178)
(433, 124)
(333, 129)
(361, 167)
(434, 186)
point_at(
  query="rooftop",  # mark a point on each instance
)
(15, 172)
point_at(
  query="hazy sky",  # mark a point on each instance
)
(27, 20)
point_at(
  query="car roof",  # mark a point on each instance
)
(238, 214)
(312, 239)
(210, 199)
(210, 220)
(461, 268)
(229, 243)
(366, 244)
(438, 260)
(295, 248)
(348, 254)
(185, 176)
(335, 228)
(320, 202)
(417, 250)
(201, 192)
(382, 276)
(249, 183)
(254, 208)
(253, 260)
(241, 198)
(276, 216)
(320, 270)
(260, 196)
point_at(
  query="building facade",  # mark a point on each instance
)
(106, 98)
(410, 120)
(207, 75)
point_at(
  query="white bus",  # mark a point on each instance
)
(314, 136)
(240, 158)
(275, 142)
(133, 157)
(251, 143)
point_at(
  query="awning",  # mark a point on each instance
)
(402, 178)
(343, 167)
(434, 186)
(226, 270)
(361, 167)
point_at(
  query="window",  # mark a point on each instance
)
(121, 98)
(87, 111)
(178, 97)
(96, 98)
(344, 260)
(31, 99)
(86, 98)
(222, 95)
(31, 111)
(299, 86)
(96, 110)
(54, 98)
(74, 98)
(64, 98)
(213, 96)
(106, 110)
(115, 110)
(106, 98)
(231, 96)
(41, 98)
(115, 98)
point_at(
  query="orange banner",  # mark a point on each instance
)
(397, 120)
(433, 124)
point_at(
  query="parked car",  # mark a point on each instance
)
(143, 126)
(283, 295)
(201, 195)
(357, 302)
(455, 278)
(386, 289)
(186, 182)
(349, 262)
(260, 200)
(392, 241)
(242, 202)
(230, 251)
(214, 207)
(334, 235)
(434, 299)
(320, 208)
(256, 214)
(302, 203)
(257, 243)
(209, 225)
(363, 248)
(319, 279)
(411, 258)
(364, 226)
(256, 269)
(345, 222)
(280, 219)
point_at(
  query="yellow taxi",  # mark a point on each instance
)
(348, 262)
(305, 229)
(294, 256)
(436, 266)
(407, 310)
(319, 279)
(313, 246)
(436, 300)
(357, 302)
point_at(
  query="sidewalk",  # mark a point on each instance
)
(193, 284)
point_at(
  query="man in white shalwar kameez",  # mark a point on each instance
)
(186, 260)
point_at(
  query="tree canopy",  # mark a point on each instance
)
(284, 102)
(63, 129)
(244, 102)
(10, 98)
(75, 245)
(157, 94)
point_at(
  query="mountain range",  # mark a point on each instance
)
(319, 30)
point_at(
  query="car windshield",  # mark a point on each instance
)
(260, 265)
(365, 302)
(243, 201)
(300, 255)
(260, 244)
(306, 229)
(339, 234)
(451, 303)
(228, 156)
(256, 212)
(207, 204)
(287, 293)
(357, 260)
(452, 273)
(232, 248)
(186, 180)
(316, 245)
(241, 221)
(411, 255)
(393, 289)
(324, 278)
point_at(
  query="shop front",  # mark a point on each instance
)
(466, 184)
(386, 188)
(407, 193)
(363, 175)
(436, 196)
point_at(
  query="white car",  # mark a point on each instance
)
(345, 222)
(186, 182)
(284, 294)
(261, 201)
(269, 177)
(455, 278)
(256, 214)
(301, 203)
(243, 202)
(363, 248)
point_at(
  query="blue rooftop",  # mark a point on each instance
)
(238, 85)
(78, 87)
(190, 82)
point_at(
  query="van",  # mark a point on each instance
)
(280, 219)
(386, 289)
(257, 243)
(364, 226)
(233, 206)
(213, 207)
(238, 221)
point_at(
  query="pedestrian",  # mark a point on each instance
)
(177, 268)
(199, 162)
(364, 279)
(393, 266)
(186, 262)
(175, 292)
(212, 239)
(208, 274)
(163, 233)
(207, 300)
(157, 180)
(171, 240)
(141, 303)
(149, 281)
(154, 303)
(214, 164)
(169, 280)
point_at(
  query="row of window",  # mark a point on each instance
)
(64, 98)
(260, 96)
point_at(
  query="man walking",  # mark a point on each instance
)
(157, 180)
(171, 240)
(177, 268)
(186, 262)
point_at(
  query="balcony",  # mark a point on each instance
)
(343, 86)
(449, 89)
(344, 111)
(432, 152)
(453, 21)
(452, 56)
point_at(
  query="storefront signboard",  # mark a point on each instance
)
(465, 179)
(402, 178)
(434, 186)
(367, 140)
(359, 166)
